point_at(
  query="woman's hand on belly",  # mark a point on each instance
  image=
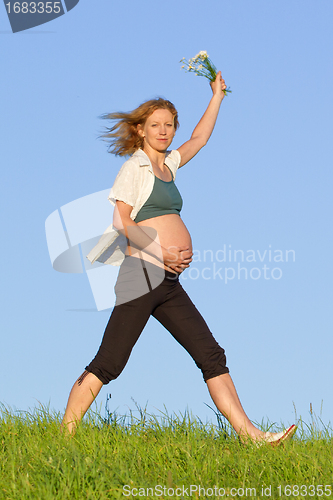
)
(177, 258)
(174, 238)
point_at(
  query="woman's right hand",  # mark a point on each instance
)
(177, 258)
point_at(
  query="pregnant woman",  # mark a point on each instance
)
(158, 249)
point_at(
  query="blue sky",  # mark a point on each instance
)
(263, 182)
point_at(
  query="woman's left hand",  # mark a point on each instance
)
(218, 86)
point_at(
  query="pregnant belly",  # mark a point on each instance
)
(169, 230)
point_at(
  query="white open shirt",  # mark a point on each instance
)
(133, 185)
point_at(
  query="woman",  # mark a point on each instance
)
(158, 250)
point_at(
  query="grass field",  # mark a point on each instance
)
(144, 456)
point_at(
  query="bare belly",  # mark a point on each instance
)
(168, 230)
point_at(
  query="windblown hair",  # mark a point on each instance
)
(123, 137)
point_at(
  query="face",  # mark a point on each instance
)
(158, 131)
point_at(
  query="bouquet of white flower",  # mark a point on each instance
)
(201, 65)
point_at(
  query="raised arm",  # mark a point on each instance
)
(204, 129)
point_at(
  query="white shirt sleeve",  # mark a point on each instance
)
(173, 161)
(126, 184)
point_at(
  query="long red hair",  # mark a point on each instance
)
(123, 137)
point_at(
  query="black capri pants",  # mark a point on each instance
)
(143, 289)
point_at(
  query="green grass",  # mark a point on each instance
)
(106, 454)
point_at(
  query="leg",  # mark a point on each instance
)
(83, 393)
(181, 318)
(224, 395)
(122, 331)
(179, 315)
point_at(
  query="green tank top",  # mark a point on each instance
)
(164, 199)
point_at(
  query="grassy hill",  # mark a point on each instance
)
(156, 457)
